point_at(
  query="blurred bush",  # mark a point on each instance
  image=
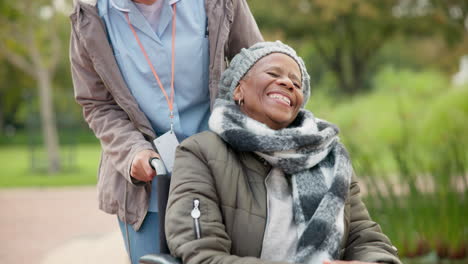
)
(420, 107)
(408, 143)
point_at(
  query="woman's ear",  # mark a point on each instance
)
(238, 94)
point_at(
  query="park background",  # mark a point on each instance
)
(392, 74)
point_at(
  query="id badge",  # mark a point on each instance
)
(166, 146)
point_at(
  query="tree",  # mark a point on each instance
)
(14, 86)
(30, 42)
(454, 12)
(347, 35)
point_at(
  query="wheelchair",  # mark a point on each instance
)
(164, 256)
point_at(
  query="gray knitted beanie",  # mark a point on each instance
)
(246, 58)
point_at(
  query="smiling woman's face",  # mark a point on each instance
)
(272, 91)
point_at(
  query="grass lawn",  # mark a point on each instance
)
(16, 163)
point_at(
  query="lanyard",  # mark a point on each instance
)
(170, 101)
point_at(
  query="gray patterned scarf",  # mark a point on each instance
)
(310, 153)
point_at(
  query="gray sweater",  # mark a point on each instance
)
(281, 233)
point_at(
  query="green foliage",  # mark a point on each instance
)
(33, 42)
(13, 87)
(344, 35)
(430, 197)
(423, 103)
(418, 223)
(409, 148)
(345, 38)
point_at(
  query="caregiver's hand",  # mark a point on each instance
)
(141, 169)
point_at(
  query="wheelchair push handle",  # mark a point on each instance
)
(158, 166)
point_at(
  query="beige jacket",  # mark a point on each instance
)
(113, 114)
(230, 187)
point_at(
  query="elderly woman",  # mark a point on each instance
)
(269, 182)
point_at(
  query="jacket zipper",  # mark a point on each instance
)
(195, 213)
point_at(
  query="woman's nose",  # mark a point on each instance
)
(286, 82)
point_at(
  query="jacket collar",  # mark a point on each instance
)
(124, 5)
(121, 5)
(138, 21)
(255, 163)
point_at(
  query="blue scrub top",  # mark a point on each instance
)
(191, 98)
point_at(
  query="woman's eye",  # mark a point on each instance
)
(272, 74)
(297, 86)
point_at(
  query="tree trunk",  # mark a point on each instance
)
(49, 127)
(350, 77)
(2, 117)
(2, 122)
(345, 85)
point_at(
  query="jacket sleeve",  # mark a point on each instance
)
(192, 179)
(120, 140)
(366, 242)
(244, 31)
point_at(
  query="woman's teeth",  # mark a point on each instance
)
(280, 97)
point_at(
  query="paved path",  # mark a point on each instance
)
(57, 225)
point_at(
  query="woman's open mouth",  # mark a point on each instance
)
(280, 98)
